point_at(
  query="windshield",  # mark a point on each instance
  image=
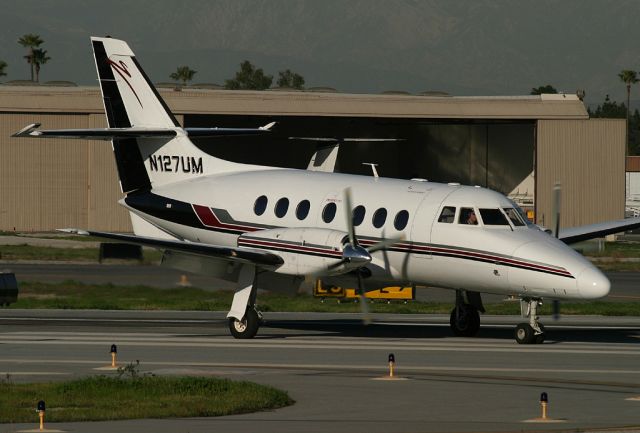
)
(493, 217)
(514, 216)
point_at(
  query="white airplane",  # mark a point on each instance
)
(272, 227)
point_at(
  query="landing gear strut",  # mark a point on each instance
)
(465, 319)
(244, 319)
(532, 332)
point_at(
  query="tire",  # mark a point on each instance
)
(468, 324)
(524, 334)
(247, 327)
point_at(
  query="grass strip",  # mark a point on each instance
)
(112, 398)
(32, 252)
(75, 295)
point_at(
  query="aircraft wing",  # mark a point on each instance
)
(591, 231)
(244, 255)
(113, 133)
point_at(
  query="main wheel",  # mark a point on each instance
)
(247, 327)
(525, 334)
(465, 321)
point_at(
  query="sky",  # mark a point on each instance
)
(475, 47)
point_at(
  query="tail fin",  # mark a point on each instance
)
(131, 101)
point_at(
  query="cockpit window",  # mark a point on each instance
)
(447, 215)
(493, 217)
(514, 216)
(468, 216)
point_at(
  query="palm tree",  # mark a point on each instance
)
(629, 78)
(30, 41)
(184, 74)
(3, 65)
(39, 58)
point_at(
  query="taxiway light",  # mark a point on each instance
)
(114, 351)
(40, 410)
(392, 361)
(544, 401)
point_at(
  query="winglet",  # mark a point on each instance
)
(267, 127)
(29, 130)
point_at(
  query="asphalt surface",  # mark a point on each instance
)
(329, 364)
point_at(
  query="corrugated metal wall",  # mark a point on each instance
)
(45, 185)
(587, 158)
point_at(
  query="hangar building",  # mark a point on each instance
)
(520, 146)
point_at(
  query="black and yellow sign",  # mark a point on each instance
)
(386, 293)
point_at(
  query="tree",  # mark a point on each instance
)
(39, 58)
(609, 109)
(543, 89)
(613, 110)
(30, 41)
(249, 78)
(628, 77)
(3, 65)
(290, 79)
(184, 74)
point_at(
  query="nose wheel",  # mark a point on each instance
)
(532, 332)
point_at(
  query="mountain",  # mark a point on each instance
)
(481, 47)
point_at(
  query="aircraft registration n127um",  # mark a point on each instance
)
(272, 227)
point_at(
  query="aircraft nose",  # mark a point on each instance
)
(593, 284)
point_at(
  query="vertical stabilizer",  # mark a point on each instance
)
(131, 101)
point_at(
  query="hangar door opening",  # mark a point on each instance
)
(494, 154)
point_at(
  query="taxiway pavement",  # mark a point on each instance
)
(329, 362)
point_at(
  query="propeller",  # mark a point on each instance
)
(556, 209)
(556, 232)
(356, 256)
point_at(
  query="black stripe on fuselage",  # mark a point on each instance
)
(182, 213)
(483, 260)
(175, 211)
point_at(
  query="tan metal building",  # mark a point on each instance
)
(507, 143)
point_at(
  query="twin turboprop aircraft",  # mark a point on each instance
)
(272, 227)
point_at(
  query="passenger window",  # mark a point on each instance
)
(329, 212)
(379, 218)
(358, 215)
(303, 209)
(468, 216)
(514, 216)
(402, 218)
(260, 205)
(447, 215)
(493, 217)
(282, 206)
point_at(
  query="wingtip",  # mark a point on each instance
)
(28, 130)
(267, 127)
(73, 231)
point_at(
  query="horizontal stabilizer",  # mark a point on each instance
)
(118, 133)
(244, 255)
(598, 230)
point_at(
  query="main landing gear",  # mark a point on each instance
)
(244, 319)
(532, 332)
(465, 316)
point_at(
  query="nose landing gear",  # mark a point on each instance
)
(532, 332)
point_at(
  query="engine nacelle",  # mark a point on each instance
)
(304, 250)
